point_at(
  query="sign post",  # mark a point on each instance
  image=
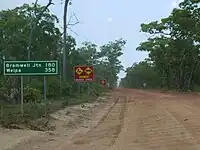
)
(45, 95)
(30, 68)
(84, 74)
(22, 97)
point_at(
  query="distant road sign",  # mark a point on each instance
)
(103, 82)
(83, 73)
(23, 68)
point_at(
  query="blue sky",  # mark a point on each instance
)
(107, 20)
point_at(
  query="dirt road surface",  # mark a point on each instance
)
(131, 120)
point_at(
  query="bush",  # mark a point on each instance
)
(53, 87)
(97, 90)
(34, 110)
(37, 84)
(67, 89)
(32, 95)
(3, 94)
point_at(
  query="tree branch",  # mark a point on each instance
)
(155, 33)
(72, 24)
(71, 17)
(45, 8)
(72, 31)
(35, 4)
(34, 26)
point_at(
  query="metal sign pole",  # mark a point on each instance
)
(45, 95)
(22, 95)
(88, 89)
(79, 87)
(60, 79)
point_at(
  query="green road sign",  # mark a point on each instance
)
(23, 68)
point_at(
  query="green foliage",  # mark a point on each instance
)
(139, 74)
(32, 95)
(10, 114)
(32, 28)
(66, 89)
(37, 84)
(3, 91)
(173, 48)
(53, 87)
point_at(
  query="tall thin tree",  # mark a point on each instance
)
(65, 51)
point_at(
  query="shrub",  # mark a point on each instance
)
(53, 87)
(32, 95)
(37, 84)
(66, 89)
(3, 93)
(34, 110)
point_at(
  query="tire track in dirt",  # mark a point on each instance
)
(187, 114)
(78, 134)
(139, 120)
(106, 132)
(150, 126)
(106, 115)
(121, 118)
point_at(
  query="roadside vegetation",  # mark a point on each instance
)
(173, 46)
(47, 44)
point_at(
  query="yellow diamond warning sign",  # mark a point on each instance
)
(88, 70)
(79, 71)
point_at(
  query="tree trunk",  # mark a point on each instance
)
(65, 51)
(192, 75)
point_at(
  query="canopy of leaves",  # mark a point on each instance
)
(174, 51)
(47, 44)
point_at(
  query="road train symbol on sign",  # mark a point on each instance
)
(83, 74)
(88, 70)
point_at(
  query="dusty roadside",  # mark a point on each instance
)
(69, 121)
(144, 120)
(130, 120)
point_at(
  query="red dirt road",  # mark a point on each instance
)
(143, 120)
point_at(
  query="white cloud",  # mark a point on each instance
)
(110, 19)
